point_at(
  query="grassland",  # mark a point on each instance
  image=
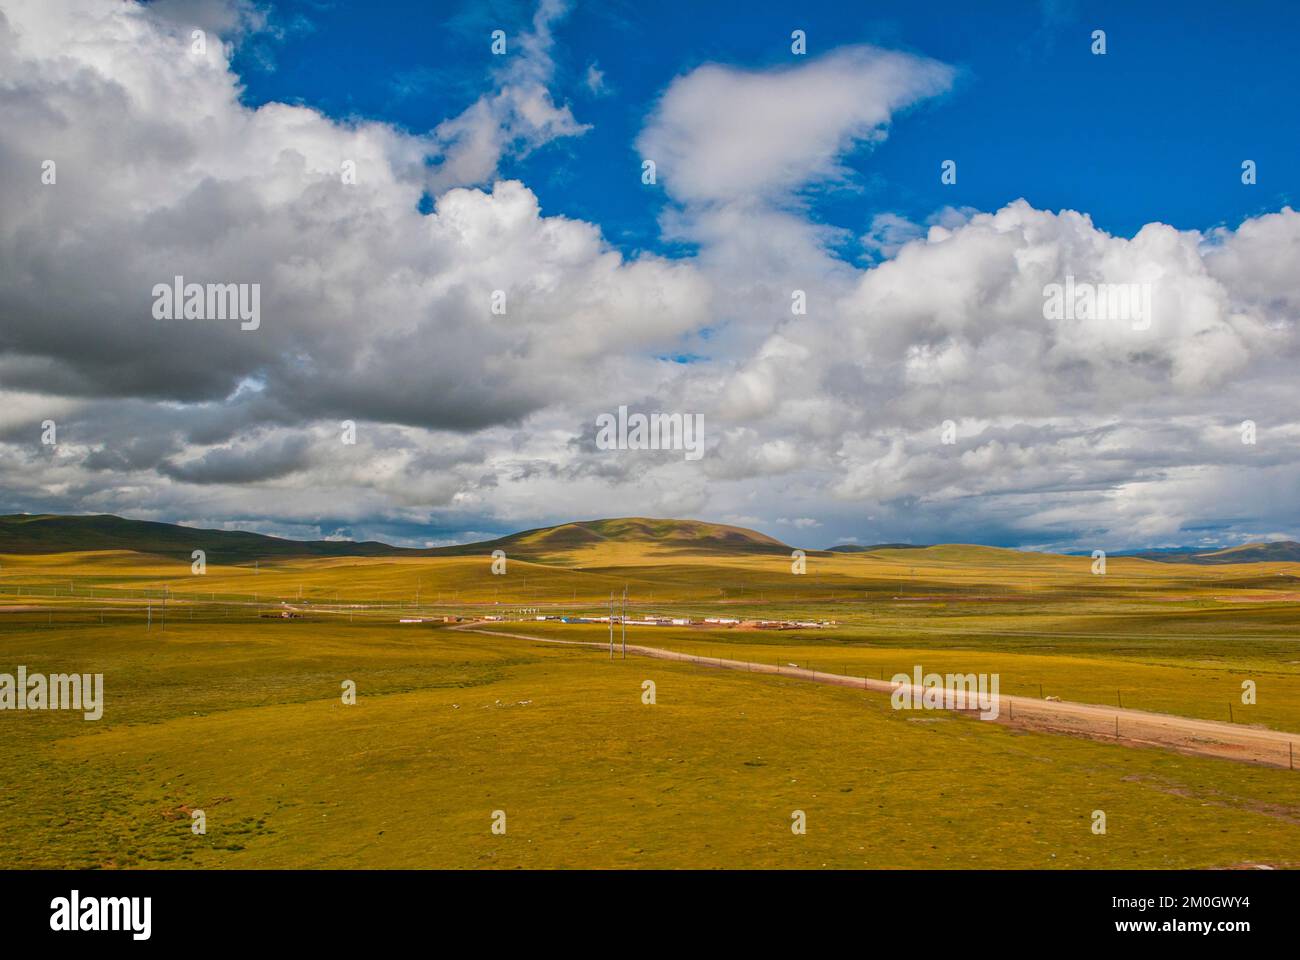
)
(211, 707)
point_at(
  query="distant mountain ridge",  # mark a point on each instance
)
(1271, 551)
(867, 548)
(23, 533)
(54, 533)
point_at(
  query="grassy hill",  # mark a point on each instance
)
(25, 534)
(1275, 551)
(973, 555)
(50, 533)
(589, 543)
(681, 537)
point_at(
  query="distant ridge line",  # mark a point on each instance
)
(24, 533)
(867, 548)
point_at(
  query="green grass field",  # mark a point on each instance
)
(211, 707)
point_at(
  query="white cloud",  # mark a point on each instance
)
(370, 310)
(517, 118)
(594, 81)
(721, 133)
(374, 312)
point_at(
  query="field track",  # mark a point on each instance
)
(1132, 727)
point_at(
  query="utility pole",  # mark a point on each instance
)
(611, 624)
(623, 621)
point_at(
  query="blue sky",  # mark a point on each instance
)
(1155, 130)
(926, 394)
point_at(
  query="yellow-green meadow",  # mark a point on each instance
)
(225, 694)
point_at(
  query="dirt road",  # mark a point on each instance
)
(1133, 727)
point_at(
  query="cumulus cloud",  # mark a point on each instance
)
(470, 421)
(1061, 412)
(370, 309)
(228, 18)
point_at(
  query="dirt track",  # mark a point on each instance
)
(1135, 727)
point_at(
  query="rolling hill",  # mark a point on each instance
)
(678, 536)
(51, 533)
(1273, 551)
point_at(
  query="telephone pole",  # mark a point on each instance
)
(623, 621)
